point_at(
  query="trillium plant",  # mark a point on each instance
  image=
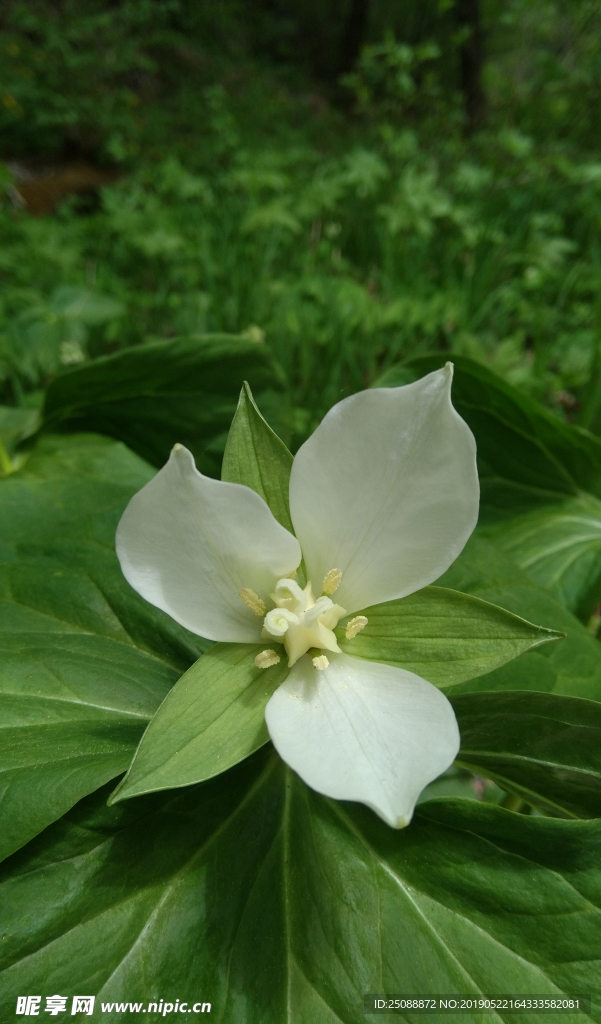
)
(383, 497)
(222, 751)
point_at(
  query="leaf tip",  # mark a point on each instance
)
(117, 795)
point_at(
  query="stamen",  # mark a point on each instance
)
(320, 662)
(266, 659)
(331, 581)
(355, 626)
(252, 601)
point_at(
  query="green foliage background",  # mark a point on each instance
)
(349, 225)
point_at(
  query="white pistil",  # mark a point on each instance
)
(266, 659)
(321, 607)
(321, 662)
(289, 595)
(252, 601)
(300, 622)
(355, 626)
(279, 620)
(331, 581)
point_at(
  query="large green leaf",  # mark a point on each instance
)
(158, 394)
(560, 548)
(443, 635)
(503, 500)
(73, 709)
(544, 747)
(571, 667)
(518, 439)
(275, 904)
(85, 662)
(213, 718)
(256, 457)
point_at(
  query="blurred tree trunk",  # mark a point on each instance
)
(471, 55)
(354, 34)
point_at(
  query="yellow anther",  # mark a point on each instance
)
(253, 601)
(266, 659)
(355, 626)
(331, 581)
(320, 662)
(292, 575)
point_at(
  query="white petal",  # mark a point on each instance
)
(363, 731)
(189, 544)
(386, 489)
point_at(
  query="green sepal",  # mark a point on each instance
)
(571, 668)
(255, 456)
(443, 635)
(213, 718)
(544, 747)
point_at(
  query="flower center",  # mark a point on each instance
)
(300, 622)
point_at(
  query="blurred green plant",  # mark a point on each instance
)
(344, 265)
(344, 244)
(391, 76)
(69, 73)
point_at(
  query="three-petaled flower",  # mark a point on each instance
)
(383, 497)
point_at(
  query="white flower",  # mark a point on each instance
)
(383, 497)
